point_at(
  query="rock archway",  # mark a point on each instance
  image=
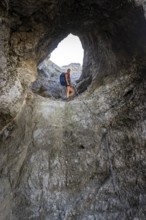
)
(112, 35)
(84, 159)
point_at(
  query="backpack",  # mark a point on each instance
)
(62, 79)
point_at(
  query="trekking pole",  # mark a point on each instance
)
(76, 90)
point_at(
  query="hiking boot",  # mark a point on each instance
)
(68, 99)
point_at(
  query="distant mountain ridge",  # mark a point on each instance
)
(49, 68)
(75, 67)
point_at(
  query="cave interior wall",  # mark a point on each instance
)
(112, 34)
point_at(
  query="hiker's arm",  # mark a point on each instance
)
(66, 80)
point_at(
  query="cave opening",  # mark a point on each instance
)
(68, 51)
(68, 54)
(113, 42)
(85, 160)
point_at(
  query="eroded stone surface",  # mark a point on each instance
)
(112, 35)
(82, 159)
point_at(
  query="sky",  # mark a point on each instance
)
(68, 51)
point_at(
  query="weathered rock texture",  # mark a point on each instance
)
(78, 160)
(47, 82)
(112, 34)
(84, 159)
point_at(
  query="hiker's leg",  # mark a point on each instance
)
(72, 91)
(67, 91)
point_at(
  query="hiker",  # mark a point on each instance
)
(69, 88)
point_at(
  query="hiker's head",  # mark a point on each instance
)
(68, 70)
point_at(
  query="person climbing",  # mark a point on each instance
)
(69, 88)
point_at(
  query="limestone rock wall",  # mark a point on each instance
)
(84, 159)
(10, 87)
(79, 160)
(18, 67)
(109, 33)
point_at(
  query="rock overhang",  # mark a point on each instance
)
(69, 160)
(112, 34)
(48, 22)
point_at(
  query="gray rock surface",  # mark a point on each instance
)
(112, 34)
(49, 69)
(83, 159)
(47, 82)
